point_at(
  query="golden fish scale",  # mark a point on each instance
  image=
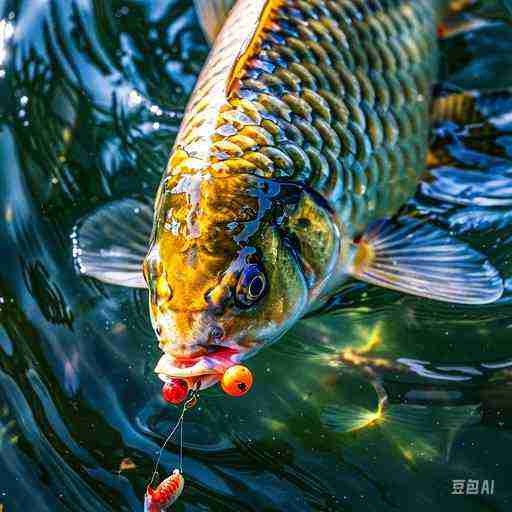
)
(208, 225)
(332, 94)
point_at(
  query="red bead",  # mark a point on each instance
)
(175, 391)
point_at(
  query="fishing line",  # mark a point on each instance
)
(181, 447)
(189, 404)
(173, 431)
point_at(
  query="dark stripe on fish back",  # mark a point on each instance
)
(334, 94)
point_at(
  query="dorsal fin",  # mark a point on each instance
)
(212, 14)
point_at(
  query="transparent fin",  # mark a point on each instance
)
(212, 14)
(352, 417)
(348, 418)
(110, 244)
(428, 418)
(419, 432)
(428, 431)
(417, 258)
(415, 418)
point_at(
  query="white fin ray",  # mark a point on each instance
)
(110, 244)
(414, 257)
(212, 14)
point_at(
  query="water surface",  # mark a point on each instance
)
(92, 94)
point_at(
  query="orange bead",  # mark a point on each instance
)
(237, 380)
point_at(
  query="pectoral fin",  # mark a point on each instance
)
(417, 258)
(212, 14)
(111, 243)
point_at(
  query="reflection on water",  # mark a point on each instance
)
(92, 95)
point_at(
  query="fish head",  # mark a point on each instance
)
(223, 280)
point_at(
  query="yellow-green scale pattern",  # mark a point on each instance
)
(336, 95)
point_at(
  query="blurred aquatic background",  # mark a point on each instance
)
(91, 97)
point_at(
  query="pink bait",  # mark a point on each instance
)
(165, 494)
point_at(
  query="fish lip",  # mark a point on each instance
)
(212, 364)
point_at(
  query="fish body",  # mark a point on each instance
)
(307, 131)
(334, 96)
(309, 121)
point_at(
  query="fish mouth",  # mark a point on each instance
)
(206, 369)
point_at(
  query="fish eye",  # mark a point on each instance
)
(251, 285)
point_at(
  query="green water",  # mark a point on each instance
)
(92, 94)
